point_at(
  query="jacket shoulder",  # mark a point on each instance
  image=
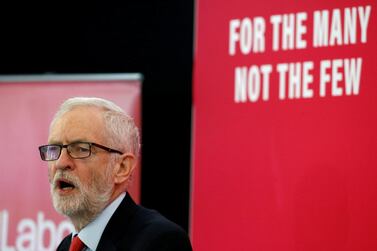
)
(135, 228)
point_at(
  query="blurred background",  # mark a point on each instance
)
(293, 174)
(154, 38)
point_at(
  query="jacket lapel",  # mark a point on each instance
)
(117, 227)
(66, 242)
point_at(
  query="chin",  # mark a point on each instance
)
(68, 205)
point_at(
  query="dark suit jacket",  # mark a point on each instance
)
(135, 228)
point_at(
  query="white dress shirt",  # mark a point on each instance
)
(91, 233)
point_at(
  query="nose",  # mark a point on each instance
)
(64, 161)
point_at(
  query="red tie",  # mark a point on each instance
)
(76, 244)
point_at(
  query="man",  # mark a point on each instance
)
(92, 152)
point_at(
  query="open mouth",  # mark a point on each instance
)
(65, 185)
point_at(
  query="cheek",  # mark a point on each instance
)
(86, 177)
(94, 174)
(90, 175)
(102, 177)
(104, 171)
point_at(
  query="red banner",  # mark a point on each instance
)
(27, 105)
(285, 139)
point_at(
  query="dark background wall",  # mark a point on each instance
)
(151, 37)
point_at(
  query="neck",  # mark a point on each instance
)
(82, 219)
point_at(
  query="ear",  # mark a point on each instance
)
(124, 168)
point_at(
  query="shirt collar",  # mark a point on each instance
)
(91, 233)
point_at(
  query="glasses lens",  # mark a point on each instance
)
(50, 152)
(79, 150)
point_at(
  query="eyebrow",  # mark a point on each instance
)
(53, 142)
(56, 142)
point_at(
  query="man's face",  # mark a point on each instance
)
(80, 187)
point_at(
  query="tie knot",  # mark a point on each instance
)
(76, 244)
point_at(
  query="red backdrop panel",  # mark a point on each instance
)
(27, 218)
(293, 173)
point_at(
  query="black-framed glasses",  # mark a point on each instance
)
(77, 150)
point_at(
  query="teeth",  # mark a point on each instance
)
(67, 188)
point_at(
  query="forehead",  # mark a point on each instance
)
(81, 123)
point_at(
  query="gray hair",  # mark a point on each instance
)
(120, 128)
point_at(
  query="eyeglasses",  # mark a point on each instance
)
(77, 150)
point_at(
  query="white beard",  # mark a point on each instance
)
(90, 200)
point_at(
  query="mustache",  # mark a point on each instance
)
(61, 175)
